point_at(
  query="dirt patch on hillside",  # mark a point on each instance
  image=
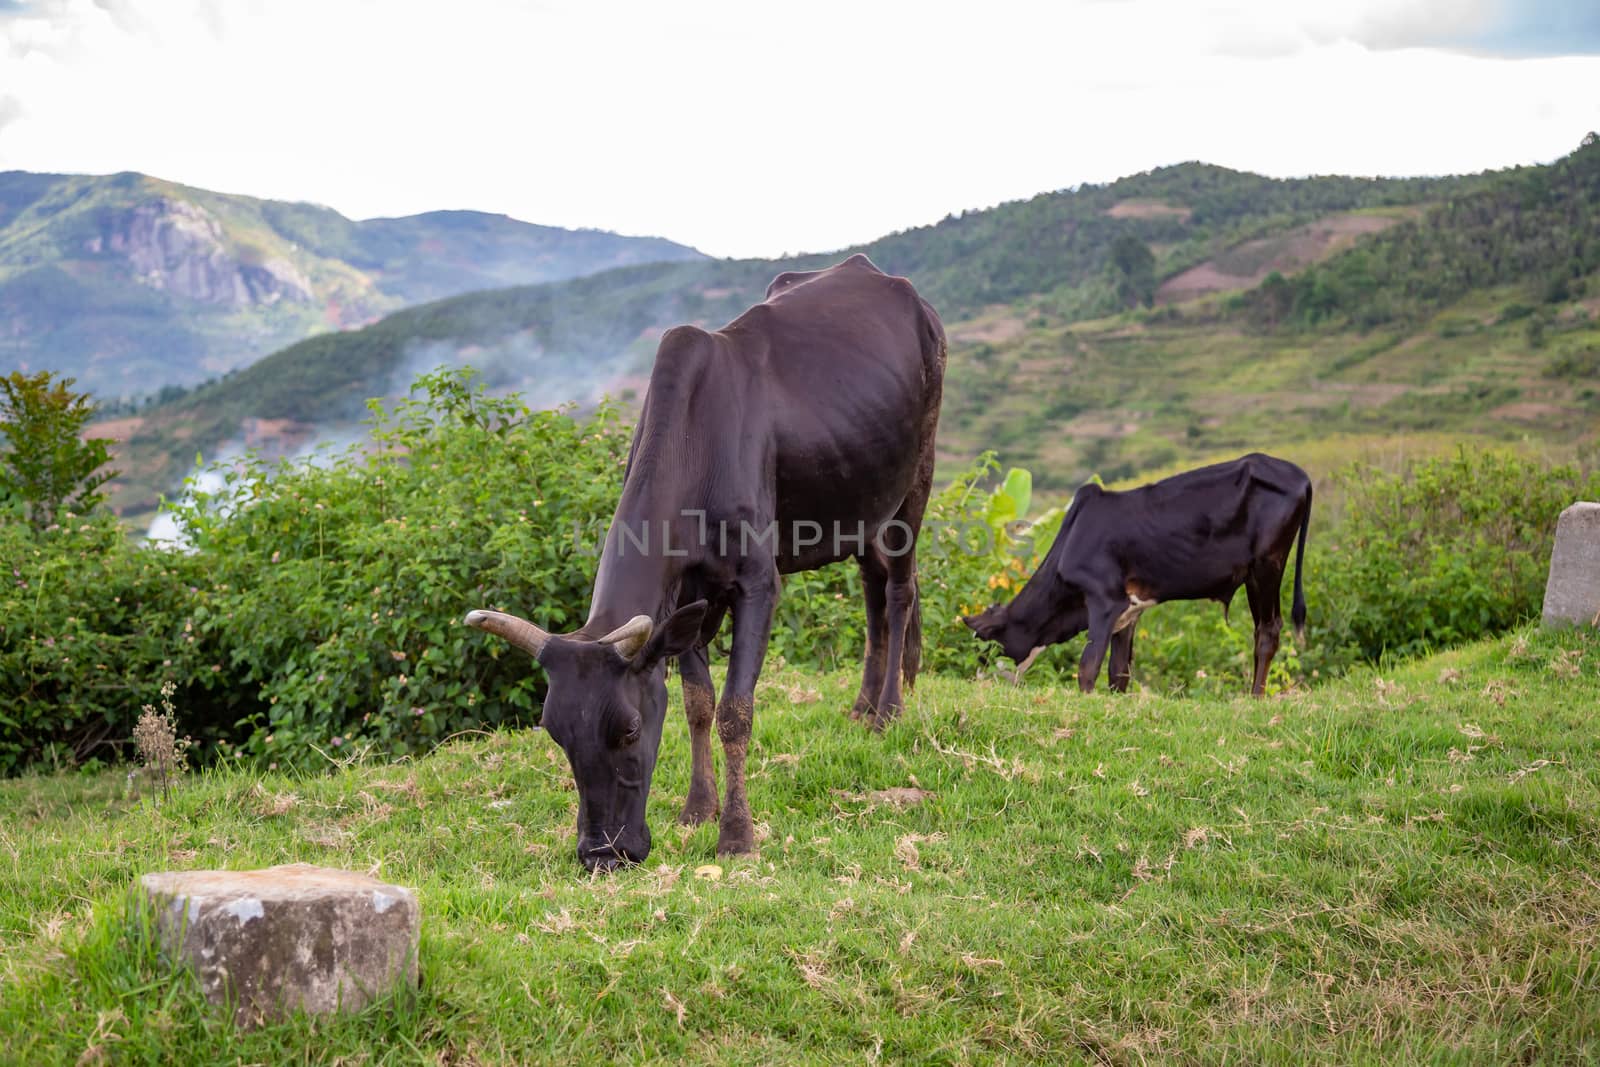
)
(988, 330)
(1354, 223)
(1531, 411)
(1049, 366)
(1198, 281)
(276, 436)
(1246, 265)
(1097, 426)
(628, 388)
(1324, 396)
(1144, 208)
(115, 429)
(1364, 394)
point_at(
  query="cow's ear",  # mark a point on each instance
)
(674, 637)
(984, 622)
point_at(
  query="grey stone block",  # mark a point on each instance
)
(279, 939)
(1572, 592)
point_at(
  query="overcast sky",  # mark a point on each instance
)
(745, 128)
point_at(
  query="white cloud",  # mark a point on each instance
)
(748, 129)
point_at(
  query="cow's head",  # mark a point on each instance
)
(1022, 633)
(605, 708)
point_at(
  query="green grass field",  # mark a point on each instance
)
(1400, 866)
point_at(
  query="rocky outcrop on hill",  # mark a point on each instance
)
(178, 247)
(130, 284)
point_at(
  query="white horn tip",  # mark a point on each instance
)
(631, 636)
(476, 618)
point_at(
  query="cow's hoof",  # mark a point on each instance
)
(861, 709)
(696, 812)
(879, 721)
(736, 839)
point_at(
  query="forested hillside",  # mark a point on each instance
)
(1538, 228)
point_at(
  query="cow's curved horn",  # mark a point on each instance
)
(630, 637)
(520, 632)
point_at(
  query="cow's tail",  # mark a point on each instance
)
(911, 656)
(1298, 612)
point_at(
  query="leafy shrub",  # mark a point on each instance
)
(46, 465)
(334, 591)
(317, 608)
(90, 627)
(1451, 550)
(1575, 365)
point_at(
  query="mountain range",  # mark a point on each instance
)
(129, 283)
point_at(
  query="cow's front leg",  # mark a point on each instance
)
(752, 624)
(700, 708)
(1122, 657)
(1102, 616)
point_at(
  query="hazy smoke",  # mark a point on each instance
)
(328, 445)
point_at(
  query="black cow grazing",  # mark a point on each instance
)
(1199, 535)
(798, 435)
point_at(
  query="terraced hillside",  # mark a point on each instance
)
(1132, 394)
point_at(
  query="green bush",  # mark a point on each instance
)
(1451, 550)
(316, 607)
(316, 610)
(90, 627)
(46, 464)
(335, 590)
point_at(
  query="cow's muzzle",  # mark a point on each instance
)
(606, 855)
(606, 859)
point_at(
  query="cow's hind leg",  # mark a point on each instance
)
(874, 582)
(901, 597)
(1122, 657)
(896, 545)
(700, 708)
(1262, 585)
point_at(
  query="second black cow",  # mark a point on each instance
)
(1199, 535)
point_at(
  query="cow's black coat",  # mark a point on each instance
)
(812, 415)
(1199, 535)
